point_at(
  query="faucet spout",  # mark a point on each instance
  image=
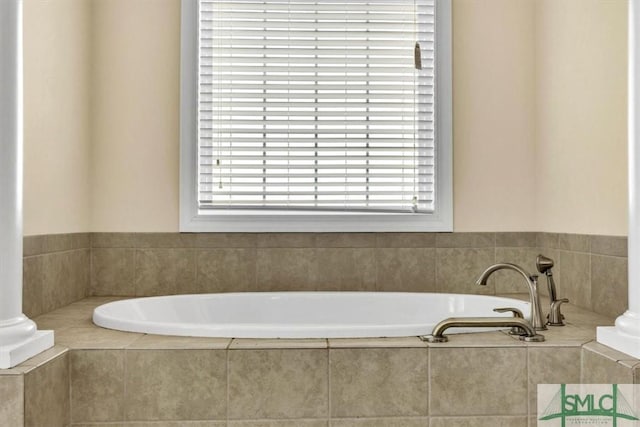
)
(437, 335)
(532, 286)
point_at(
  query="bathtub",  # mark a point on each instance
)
(297, 314)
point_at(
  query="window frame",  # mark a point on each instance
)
(235, 220)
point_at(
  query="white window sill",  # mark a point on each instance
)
(287, 221)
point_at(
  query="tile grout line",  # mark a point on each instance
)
(429, 384)
(228, 400)
(329, 413)
(529, 385)
(70, 388)
(124, 383)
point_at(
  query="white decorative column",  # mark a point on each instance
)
(625, 336)
(19, 338)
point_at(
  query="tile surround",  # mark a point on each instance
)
(60, 269)
(379, 382)
(478, 381)
(175, 385)
(12, 401)
(97, 385)
(56, 271)
(46, 394)
(290, 383)
(335, 382)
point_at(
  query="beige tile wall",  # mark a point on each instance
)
(117, 378)
(59, 269)
(151, 264)
(308, 383)
(46, 388)
(590, 270)
(56, 271)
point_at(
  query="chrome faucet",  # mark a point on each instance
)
(532, 284)
(544, 265)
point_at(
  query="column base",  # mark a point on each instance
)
(612, 337)
(14, 354)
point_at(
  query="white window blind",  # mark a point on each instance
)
(316, 105)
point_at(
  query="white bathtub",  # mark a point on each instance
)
(297, 314)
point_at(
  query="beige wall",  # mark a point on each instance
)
(493, 131)
(581, 112)
(539, 117)
(56, 99)
(136, 115)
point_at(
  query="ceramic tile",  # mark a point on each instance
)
(57, 243)
(12, 401)
(565, 336)
(609, 285)
(458, 373)
(344, 269)
(113, 272)
(345, 240)
(575, 278)
(510, 281)
(279, 423)
(94, 338)
(285, 269)
(97, 385)
(182, 423)
(60, 280)
(266, 343)
(226, 270)
(163, 342)
(552, 366)
(113, 240)
(395, 342)
(465, 240)
(254, 375)
(381, 422)
(574, 242)
(225, 240)
(378, 382)
(164, 271)
(548, 240)
(165, 240)
(478, 421)
(609, 245)
(479, 339)
(65, 242)
(406, 269)
(607, 352)
(458, 269)
(32, 245)
(46, 394)
(405, 240)
(32, 279)
(599, 369)
(286, 240)
(175, 385)
(65, 317)
(516, 239)
(45, 357)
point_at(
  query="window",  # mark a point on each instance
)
(316, 115)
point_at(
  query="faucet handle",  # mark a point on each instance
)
(516, 313)
(555, 317)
